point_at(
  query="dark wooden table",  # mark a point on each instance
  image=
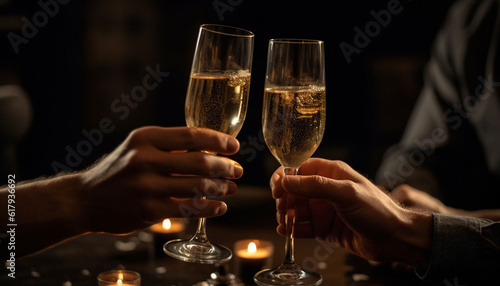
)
(251, 214)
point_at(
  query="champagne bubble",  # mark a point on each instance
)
(237, 78)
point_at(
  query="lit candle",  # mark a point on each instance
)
(119, 282)
(167, 230)
(251, 256)
(119, 278)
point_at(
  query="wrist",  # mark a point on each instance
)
(412, 239)
(50, 210)
(68, 196)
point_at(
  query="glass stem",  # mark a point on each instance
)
(289, 224)
(201, 231)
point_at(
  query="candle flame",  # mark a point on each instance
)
(252, 248)
(166, 224)
(120, 279)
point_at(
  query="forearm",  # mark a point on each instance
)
(46, 212)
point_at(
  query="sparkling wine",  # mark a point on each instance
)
(218, 101)
(294, 122)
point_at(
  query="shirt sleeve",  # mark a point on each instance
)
(465, 251)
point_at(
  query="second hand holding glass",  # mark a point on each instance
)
(216, 99)
(293, 122)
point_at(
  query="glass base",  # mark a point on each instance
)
(191, 251)
(289, 276)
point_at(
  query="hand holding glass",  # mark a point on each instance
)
(217, 99)
(293, 123)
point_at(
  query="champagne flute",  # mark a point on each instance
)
(216, 99)
(293, 122)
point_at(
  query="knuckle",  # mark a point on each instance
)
(138, 135)
(402, 193)
(319, 180)
(134, 157)
(341, 169)
(224, 188)
(351, 185)
(341, 165)
(220, 141)
(204, 186)
(202, 162)
(190, 136)
(136, 160)
(146, 184)
(214, 138)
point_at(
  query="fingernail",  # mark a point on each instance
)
(275, 177)
(233, 144)
(238, 170)
(231, 188)
(222, 209)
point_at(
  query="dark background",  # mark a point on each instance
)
(91, 52)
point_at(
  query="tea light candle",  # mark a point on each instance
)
(119, 278)
(167, 230)
(251, 256)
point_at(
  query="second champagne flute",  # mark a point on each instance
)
(216, 99)
(293, 120)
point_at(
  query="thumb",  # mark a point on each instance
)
(338, 192)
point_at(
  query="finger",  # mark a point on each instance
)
(338, 192)
(398, 266)
(331, 169)
(188, 208)
(301, 230)
(302, 214)
(275, 183)
(405, 194)
(304, 230)
(185, 138)
(190, 163)
(302, 210)
(186, 187)
(281, 229)
(322, 224)
(280, 217)
(302, 225)
(317, 215)
(400, 195)
(281, 204)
